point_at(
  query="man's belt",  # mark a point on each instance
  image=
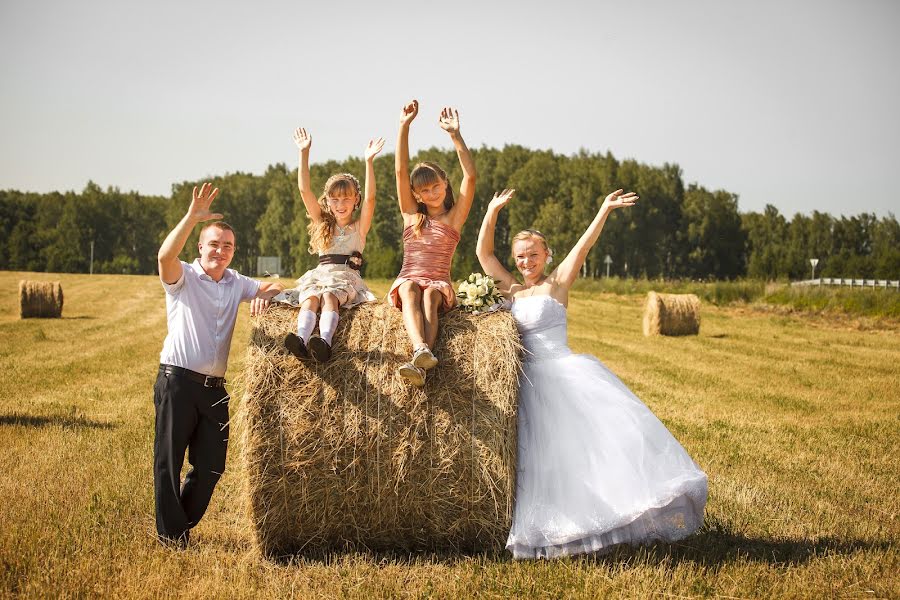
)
(207, 380)
(353, 260)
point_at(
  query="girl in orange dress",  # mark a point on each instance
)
(432, 221)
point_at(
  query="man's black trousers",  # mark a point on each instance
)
(192, 418)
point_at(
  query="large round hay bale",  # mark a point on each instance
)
(672, 314)
(346, 454)
(40, 299)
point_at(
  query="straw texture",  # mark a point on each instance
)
(346, 454)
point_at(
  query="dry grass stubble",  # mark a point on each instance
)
(795, 421)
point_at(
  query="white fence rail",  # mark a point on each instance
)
(853, 283)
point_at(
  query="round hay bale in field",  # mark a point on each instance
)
(346, 454)
(40, 299)
(672, 314)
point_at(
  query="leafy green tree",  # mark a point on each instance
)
(534, 182)
(67, 249)
(144, 217)
(713, 234)
(886, 248)
(384, 243)
(19, 248)
(585, 179)
(648, 238)
(852, 246)
(672, 232)
(765, 250)
(274, 227)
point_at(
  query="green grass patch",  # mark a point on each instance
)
(864, 302)
(719, 293)
(859, 301)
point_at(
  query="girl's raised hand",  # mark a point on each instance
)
(500, 199)
(374, 148)
(409, 112)
(618, 199)
(449, 120)
(302, 139)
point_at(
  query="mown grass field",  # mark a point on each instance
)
(878, 307)
(795, 419)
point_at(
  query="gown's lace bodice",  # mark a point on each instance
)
(542, 322)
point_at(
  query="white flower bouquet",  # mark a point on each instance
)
(478, 293)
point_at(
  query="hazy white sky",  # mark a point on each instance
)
(789, 103)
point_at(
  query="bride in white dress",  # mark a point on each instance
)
(595, 467)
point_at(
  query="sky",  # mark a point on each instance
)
(790, 103)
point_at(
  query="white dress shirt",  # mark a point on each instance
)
(201, 314)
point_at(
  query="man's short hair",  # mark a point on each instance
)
(221, 225)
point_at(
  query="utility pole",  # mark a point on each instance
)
(92, 257)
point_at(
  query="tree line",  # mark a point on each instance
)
(675, 231)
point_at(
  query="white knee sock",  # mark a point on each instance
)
(306, 322)
(328, 321)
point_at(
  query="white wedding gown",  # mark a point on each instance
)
(595, 467)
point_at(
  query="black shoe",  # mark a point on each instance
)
(319, 348)
(294, 344)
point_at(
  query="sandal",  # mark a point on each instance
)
(415, 375)
(424, 359)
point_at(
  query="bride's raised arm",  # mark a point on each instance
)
(485, 247)
(567, 271)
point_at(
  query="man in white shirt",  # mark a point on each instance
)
(202, 300)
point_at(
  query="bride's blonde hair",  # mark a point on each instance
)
(530, 234)
(322, 233)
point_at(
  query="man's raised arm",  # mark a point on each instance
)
(167, 258)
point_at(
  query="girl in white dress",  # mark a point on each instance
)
(339, 240)
(595, 467)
